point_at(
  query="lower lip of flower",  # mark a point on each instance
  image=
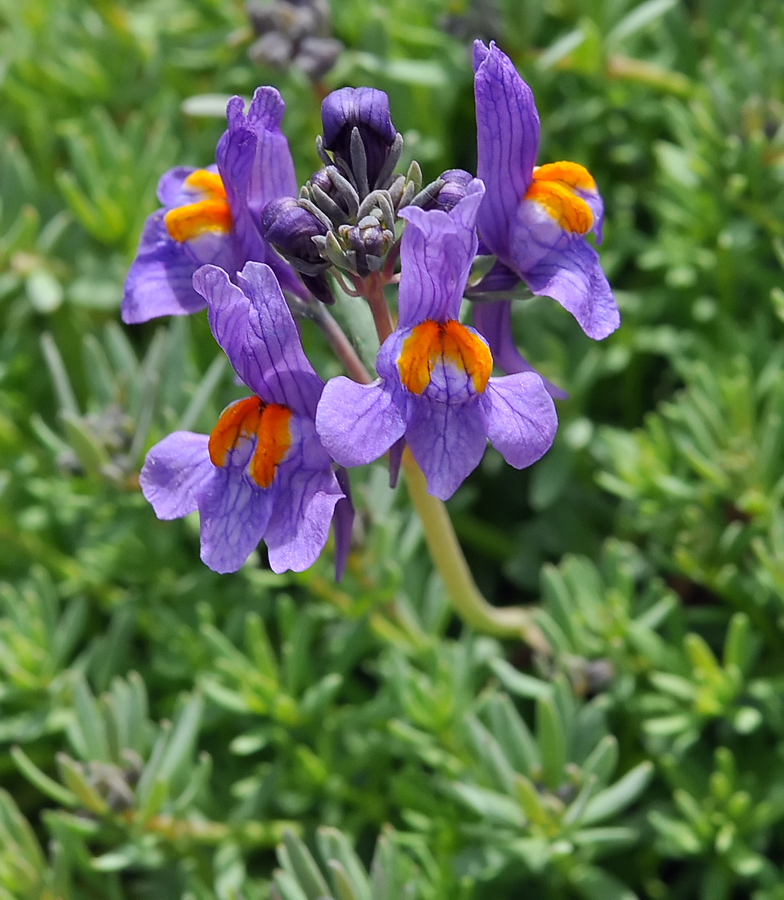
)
(571, 212)
(448, 342)
(553, 188)
(210, 214)
(268, 423)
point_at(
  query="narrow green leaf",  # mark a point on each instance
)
(183, 737)
(623, 793)
(512, 733)
(62, 383)
(640, 17)
(551, 740)
(489, 804)
(304, 868)
(333, 845)
(602, 760)
(76, 781)
(737, 644)
(202, 394)
(519, 683)
(343, 887)
(89, 726)
(90, 452)
(593, 883)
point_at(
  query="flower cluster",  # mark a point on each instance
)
(240, 239)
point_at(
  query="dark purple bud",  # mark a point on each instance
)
(271, 49)
(262, 16)
(454, 189)
(333, 185)
(367, 110)
(290, 229)
(318, 285)
(291, 19)
(317, 55)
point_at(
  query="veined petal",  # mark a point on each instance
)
(357, 423)
(436, 253)
(174, 472)
(234, 515)
(253, 325)
(273, 174)
(521, 418)
(554, 263)
(274, 342)
(494, 321)
(447, 441)
(227, 311)
(256, 167)
(159, 282)
(507, 125)
(299, 525)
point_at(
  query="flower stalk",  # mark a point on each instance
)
(442, 543)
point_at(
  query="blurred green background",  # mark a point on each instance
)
(163, 728)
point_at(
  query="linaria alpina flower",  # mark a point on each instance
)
(435, 386)
(263, 472)
(211, 215)
(535, 218)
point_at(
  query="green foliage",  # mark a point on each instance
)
(163, 728)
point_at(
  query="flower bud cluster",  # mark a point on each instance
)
(346, 214)
(293, 33)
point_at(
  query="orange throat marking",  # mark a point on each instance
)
(449, 342)
(210, 214)
(248, 418)
(553, 188)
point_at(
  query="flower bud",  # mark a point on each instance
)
(452, 191)
(317, 55)
(370, 241)
(331, 183)
(290, 229)
(364, 111)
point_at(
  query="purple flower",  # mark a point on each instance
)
(534, 219)
(435, 386)
(263, 472)
(210, 216)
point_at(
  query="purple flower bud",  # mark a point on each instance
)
(454, 189)
(367, 110)
(317, 55)
(290, 228)
(343, 196)
(271, 49)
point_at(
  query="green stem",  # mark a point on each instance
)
(442, 542)
(447, 555)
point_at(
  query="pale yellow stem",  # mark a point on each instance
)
(447, 556)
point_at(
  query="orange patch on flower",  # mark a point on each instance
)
(553, 187)
(210, 214)
(571, 174)
(450, 342)
(248, 418)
